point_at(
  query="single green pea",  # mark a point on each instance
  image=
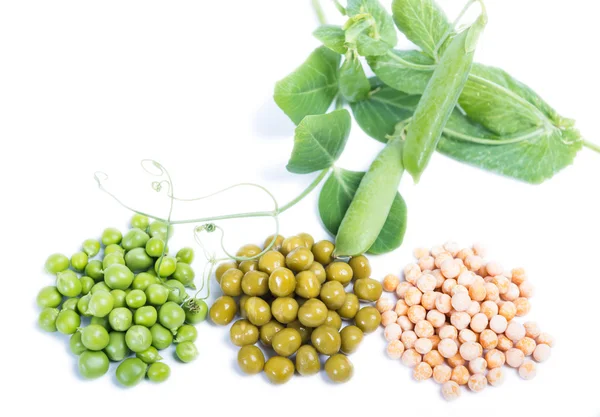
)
(68, 284)
(47, 319)
(100, 286)
(92, 364)
(138, 260)
(223, 310)
(307, 361)
(159, 229)
(91, 247)
(67, 321)
(118, 277)
(339, 368)
(101, 321)
(286, 342)
(111, 236)
(49, 297)
(112, 259)
(94, 337)
(135, 238)
(186, 351)
(251, 360)
(119, 297)
(138, 338)
(334, 320)
(131, 371)
(114, 248)
(158, 372)
(157, 294)
(135, 299)
(368, 319)
(165, 266)
(79, 260)
(143, 280)
(155, 247)
(268, 331)
(76, 345)
(94, 270)
(257, 309)
(177, 292)
(70, 304)
(242, 333)
(161, 337)
(186, 333)
(184, 274)
(117, 349)
(145, 316)
(139, 221)
(101, 304)
(195, 310)
(326, 340)
(185, 255)
(120, 319)
(279, 370)
(86, 284)
(149, 355)
(171, 316)
(56, 263)
(83, 305)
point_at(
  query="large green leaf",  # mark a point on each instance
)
(311, 88)
(354, 84)
(319, 141)
(332, 37)
(393, 70)
(422, 21)
(384, 29)
(335, 198)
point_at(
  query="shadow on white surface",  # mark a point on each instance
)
(270, 122)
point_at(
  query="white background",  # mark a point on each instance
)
(88, 86)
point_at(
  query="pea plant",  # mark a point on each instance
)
(434, 98)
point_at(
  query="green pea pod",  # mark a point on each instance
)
(439, 99)
(371, 204)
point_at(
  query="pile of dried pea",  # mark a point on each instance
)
(293, 299)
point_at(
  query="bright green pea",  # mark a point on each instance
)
(101, 304)
(135, 299)
(149, 355)
(49, 297)
(135, 238)
(83, 305)
(186, 333)
(118, 277)
(177, 291)
(157, 294)
(47, 319)
(68, 284)
(111, 236)
(159, 229)
(152, 272)
(67, 322)
(91, 247)
(79, 261)
(76, 345)
(171, 315)
(185, 255)
(138, 338)
(117, 349)
(195, 310)
(161, 337)
(138, 260)
(143, 280)
(114, 248)
(145, 316)
(100, 286)
(94, 337)
(184, 274)
(131, 371)
(186, 351)
(112, 259)
(158, 372)
(118, 298)
(86, 284)
(165, 266)
(94, 270)
(92, 364)
(56, 263)
(155, 247)
(139, 221)
(101, 321)
(120, 319)
(70, 304)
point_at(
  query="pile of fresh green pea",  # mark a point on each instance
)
(123, 299)
(293, 300)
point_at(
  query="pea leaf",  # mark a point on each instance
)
(319, 141)
(335, 198)
(422, 22)
(311, 88)
(332, 37)
(367, 46)
(384, 25)
(392, 69)
(354, 84)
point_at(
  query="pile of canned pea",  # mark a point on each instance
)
(124, 303)
(293, 300)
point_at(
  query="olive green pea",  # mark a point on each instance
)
(323, 252)
(258, 311)
(300, 259)
(56, 263)
(312, 313)
(247, 266)
(158, 372)
(309, 241)
(286, 342)
(367, 289)
(242, 333)
(91, 247)
(290, 243)
(304, 331)
(86, 284)
(273, 242)
(350, 307)
(307, 361)
(319, 271)
(231, 282)
(223, 310)
(242, 306)
(351, 337)
(138, 260)
(270, 261)
(149, 355)
(279, 370)
(339, 368)
(49, 297)
(255, 283)
(223, 267)
(282, 282)
(161, 337)
(307, 285)
(47, 319)
(186, 351)
(131, 371)
(79, 261)
(361, 268)
(251, 360)
(117, 349)
(339, 271)
(92, 364)
(285, 309)
(76, 345)
(248, 251)
(334, 320)
(368, 319)
(326, 340)
(269, 330)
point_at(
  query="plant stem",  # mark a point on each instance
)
(591, 146)
(308, 189)
(408, 64)
(340, 8)
(319, 11)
